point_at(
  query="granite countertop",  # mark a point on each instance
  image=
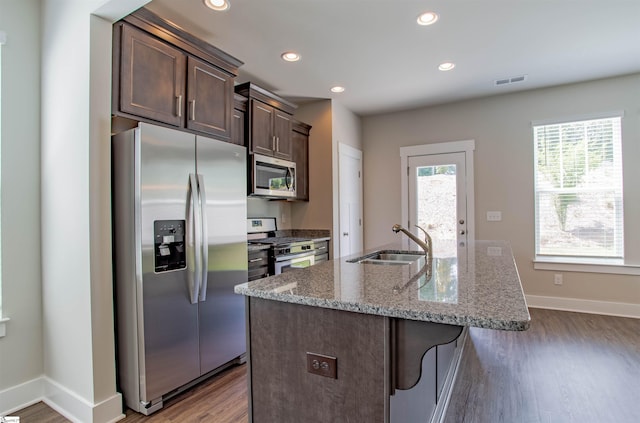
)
(312, 234)
(474, 286)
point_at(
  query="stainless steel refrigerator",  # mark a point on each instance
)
(180, 246)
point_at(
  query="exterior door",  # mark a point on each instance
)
(438, 200)
(350, 179)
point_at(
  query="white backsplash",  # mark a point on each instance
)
(281, 210)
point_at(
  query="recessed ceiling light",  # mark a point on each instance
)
(217, 4)
(427, 18)
(337, 89)
(290, 56)
(446, 66)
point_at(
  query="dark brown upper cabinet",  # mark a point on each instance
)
(239, 113)
(152, 77)
(269, 123)
(300, 144)
(209, 99)
(168, 76)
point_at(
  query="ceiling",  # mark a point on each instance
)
(387, 62)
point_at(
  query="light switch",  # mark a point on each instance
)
(494, 216)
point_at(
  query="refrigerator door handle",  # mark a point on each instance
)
(204, 239)
(194, 233)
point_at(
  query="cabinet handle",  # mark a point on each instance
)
(255, 260)
(179, 105)
(193, 109)
(274, 143)
(277, 143)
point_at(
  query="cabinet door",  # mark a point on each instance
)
(152, 78)
(300, 144)
(282, 132)
(210, 99)
(262, 138)
(237, 127)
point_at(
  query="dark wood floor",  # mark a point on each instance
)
(568, 367)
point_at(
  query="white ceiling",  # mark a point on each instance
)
(387, 62)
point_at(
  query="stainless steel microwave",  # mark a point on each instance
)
(273, 178)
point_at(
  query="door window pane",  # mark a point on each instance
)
(437, 206)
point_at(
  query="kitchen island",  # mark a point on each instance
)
(367, 339)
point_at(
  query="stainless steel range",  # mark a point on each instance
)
(285, 253)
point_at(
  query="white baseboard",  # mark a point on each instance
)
(585, 306)
(450, 380)
(62, 400)
(79, 410)
(21, 396)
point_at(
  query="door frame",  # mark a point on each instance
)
(467, 147)
(347, 150)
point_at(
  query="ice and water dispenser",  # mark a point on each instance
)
(169, 245)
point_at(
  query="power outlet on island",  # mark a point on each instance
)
(322, 365)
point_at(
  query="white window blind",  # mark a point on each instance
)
(578, 189)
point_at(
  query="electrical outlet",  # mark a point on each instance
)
(557, 279)
(322, 365)
(494, 216)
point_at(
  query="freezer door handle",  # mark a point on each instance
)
(204, 243)
(194, 234)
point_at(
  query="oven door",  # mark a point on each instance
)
(298, 262)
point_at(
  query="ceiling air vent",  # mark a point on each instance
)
(512, 80)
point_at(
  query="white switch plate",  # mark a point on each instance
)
(494, 216)
(557, 278)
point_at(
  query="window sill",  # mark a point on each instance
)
(615, 267)
(3, 329)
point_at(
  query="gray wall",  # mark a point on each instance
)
(501, 127)
(332, 123)
(317, 213)
(21, 358)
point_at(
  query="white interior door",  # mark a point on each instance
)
(438, 200)
(350, 182)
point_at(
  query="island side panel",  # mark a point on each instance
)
(282, 390)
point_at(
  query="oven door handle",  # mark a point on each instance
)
(295, 256)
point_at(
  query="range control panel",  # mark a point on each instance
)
(169, 246)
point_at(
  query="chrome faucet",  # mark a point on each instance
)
(426, 244)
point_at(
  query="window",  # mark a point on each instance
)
(578, 191)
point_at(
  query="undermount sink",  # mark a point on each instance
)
(388, 257)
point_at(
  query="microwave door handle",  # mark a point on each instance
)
(204, 247)
(193, 241)
(289, 177)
